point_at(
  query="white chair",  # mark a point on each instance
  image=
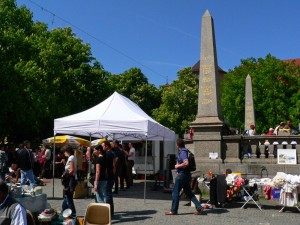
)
(97, 214)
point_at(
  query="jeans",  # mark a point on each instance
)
(130, 164)
(27, 174)
(124, 176)
(183, 181)
(101, 191)
(68, 203)
(109, 195)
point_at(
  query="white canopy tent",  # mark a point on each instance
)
(118, 117)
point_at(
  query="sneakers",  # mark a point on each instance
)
(170, 213)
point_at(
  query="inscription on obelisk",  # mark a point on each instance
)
(249, 106)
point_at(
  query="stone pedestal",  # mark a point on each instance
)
(207, 138)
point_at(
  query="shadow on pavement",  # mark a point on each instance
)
(121, 217)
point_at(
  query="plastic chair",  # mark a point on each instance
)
(97, 214)
(30, 218)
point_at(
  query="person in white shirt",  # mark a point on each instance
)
(11, 211)
(131, 159)
(69, 180)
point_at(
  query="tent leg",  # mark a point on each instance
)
(53, 166)
(145, 179)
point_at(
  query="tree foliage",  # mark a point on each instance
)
(179, 102)
(134, 85)
(275, 87)
(45, 74)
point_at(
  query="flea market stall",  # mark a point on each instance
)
(116, 117)
(283, 189)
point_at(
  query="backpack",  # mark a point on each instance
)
(192, 163)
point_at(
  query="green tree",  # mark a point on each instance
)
(275, 92)
(179, 102)
(134, 85)
(15, 28)
(45, 74)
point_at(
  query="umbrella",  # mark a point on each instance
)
(99, 141)
(67, 140)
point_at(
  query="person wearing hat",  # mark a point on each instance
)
(271, 131)
(280, 126)
(100, 183)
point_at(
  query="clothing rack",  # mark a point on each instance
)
(289, 192)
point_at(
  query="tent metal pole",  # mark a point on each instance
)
(53, 162)
(145, 178)
(89, 160)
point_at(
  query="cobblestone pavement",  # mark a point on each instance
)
(130, 208)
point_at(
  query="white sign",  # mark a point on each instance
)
(286, 156)
(213, 155)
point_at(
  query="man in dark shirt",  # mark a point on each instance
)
(25, 163)
(120, 161)
(100, 183)
(110, 169)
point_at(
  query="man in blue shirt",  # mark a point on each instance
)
(182, 181)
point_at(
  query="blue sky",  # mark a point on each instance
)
(163, 36)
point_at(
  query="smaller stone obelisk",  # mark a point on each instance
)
(249, 106)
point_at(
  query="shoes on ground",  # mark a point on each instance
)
(199, 211)
(170, 213)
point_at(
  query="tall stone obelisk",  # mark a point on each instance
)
(208, 124)
(249, 106)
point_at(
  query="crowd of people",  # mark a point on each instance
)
(281, 129)
(110, 164)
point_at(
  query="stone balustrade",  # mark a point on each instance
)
(237, 147)
(234, 155)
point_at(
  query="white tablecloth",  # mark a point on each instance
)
(36, 203)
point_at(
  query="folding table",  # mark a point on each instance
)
(250, 198)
